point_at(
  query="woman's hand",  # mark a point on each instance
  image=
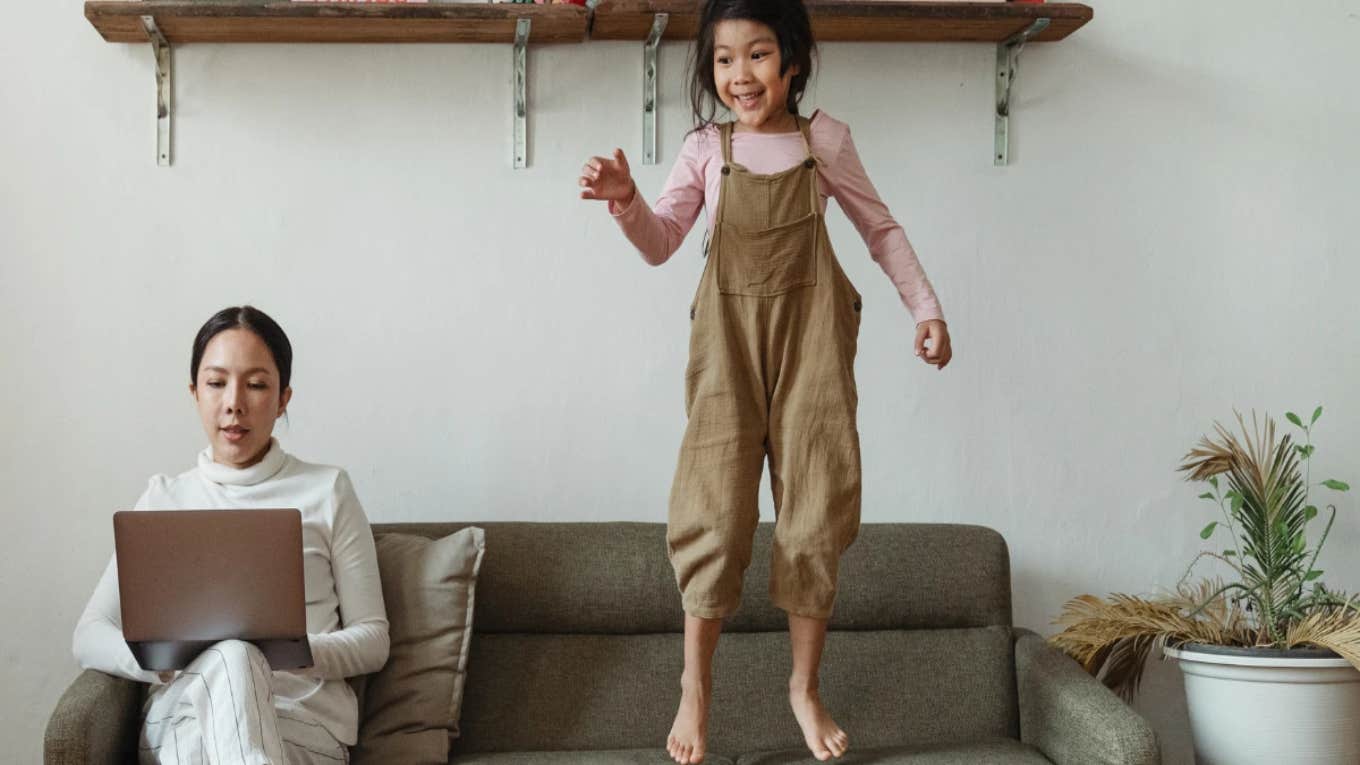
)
(605, 178)
(934, 332)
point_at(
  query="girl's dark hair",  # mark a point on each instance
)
(793, 30)
(255, 320)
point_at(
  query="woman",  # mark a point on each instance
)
(227, 706)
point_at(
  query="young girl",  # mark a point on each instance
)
(774, 326)
(227, 706)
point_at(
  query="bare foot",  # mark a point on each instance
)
(822, 735)
(687, 742)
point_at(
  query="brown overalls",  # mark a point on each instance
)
(774, 328)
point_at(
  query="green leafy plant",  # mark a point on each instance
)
(1277, 598)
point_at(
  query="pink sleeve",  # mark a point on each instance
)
(887, 242)
(658, 231)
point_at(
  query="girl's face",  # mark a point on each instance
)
(746, 71)
(238, 396)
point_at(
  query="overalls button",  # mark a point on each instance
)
(857, 305)
(809, 163)
(726, 170)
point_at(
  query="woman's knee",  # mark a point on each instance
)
(235, 653)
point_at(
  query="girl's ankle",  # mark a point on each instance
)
(695, 681)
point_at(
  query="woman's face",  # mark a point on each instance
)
(746, 72)
(238, 396)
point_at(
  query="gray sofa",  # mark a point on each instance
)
(576, 658)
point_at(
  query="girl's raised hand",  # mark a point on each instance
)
(608, 178)
(936, 333)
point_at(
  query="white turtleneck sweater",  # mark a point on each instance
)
(346, 620)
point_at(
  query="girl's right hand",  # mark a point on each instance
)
(605, 178)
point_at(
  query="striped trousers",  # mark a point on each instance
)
(220, 711)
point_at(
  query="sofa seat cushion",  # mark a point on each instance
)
(584, 757)
(610, 692)
(998, 751)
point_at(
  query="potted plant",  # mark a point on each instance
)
(1271, 657)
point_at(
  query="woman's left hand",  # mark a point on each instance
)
(934, 333)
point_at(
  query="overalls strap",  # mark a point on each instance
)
(805, 127)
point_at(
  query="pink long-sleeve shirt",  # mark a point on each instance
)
(696, 179)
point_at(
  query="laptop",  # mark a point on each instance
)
(191, 578)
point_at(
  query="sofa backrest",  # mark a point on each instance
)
(615, 578)
(578, 636)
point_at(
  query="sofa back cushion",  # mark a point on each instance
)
(615, 578)
(528, 692)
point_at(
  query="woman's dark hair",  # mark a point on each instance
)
(793, 30)
(255, 320)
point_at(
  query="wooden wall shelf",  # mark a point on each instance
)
(280, 21)
(839, 21)
(165, 23)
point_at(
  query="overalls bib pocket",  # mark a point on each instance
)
(767, 262)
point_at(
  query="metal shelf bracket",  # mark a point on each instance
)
(1007, 59)
(649, 88)
(520, 88)
(161, 49)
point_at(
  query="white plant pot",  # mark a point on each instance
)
(1266, 706)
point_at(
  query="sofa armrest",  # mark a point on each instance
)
(94, 722)
(1071, 716)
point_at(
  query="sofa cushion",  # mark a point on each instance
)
(988, 752)
(604, 692)
(615, 757)
(615, 578)
(411, 706)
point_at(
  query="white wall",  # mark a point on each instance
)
(1173, 239)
